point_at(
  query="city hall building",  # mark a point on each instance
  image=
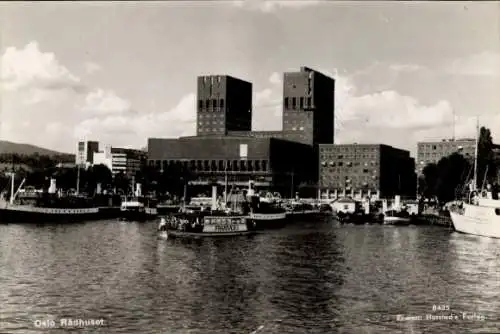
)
(361, 170)
(270, 162)
(226, 147)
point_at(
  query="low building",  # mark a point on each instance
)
(125, 160)
(360, 170)
(496, 157)
(85, 152)
(270, 162)
(433, 151)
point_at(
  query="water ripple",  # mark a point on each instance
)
(315, 278)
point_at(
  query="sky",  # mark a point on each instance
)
(120, 73)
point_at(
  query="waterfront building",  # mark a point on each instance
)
(224, 104)
(360, 170)
(121, 160)
(433, 151)
(85, 152)
(272, 163)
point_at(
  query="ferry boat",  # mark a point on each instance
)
(205, 226)
(52, 206)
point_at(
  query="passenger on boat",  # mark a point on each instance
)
(163, 225)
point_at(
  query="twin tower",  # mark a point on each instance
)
(224, 107)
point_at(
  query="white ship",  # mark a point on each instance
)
(481, 215)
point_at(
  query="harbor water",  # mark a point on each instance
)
(309, 278)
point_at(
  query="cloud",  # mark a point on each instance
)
(480, 64)
(276, 78)
(389, 109)
(31, 69)
(406, 67)
(123, 130)
(386, 116)
(268, 105)
(271, 6)
(91, 67)
(104, 102)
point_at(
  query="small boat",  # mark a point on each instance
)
(394, 217)
(138, 207)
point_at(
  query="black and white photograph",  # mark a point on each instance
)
(250, 167)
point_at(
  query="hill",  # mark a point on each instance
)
(7, 147)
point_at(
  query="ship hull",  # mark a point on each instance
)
(268, 221)
(9, 215)
(307, 216)
(199, 235)
(482, 221)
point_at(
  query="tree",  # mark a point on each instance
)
(97, 174)
(428, 187)
(486, 167)
(446, 179)
(452, 171)
(121, 183)
(66, 178)
(149, 177)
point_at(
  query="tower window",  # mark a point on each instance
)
(207, 104)
(309, 102)
(200, 104)
(214, 102)
(301, 104)
(221, 103)
(286, 102)
(294, 102)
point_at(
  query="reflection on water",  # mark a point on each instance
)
(315, 278)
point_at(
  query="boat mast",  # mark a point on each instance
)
(12, 188)
(225, 185)
(476, 151)
(78, 180)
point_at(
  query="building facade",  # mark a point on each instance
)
(270, 162)
(224, 104)
(433, 151)
(85, 152)
(308, 107)
(360, 170)
(124, 160)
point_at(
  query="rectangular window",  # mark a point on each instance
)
(264, 165)
(200, 104)
(257, 166)
(286, 103)
(214, 103)
(301, 103)
(294, 102)
(309, 102)
(222, 103)
(207, 104)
